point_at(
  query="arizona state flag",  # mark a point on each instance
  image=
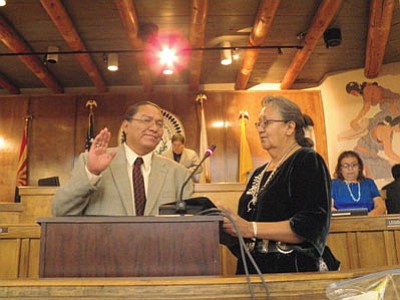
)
(245, 159)
(22, 166)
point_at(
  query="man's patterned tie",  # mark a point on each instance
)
(138, 187)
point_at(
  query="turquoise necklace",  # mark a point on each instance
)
(351, 194)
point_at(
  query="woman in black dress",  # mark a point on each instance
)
(284, 213)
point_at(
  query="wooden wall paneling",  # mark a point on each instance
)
(36, 202)
(371, 240)
(33, 262)
(52, 137)
(60, 122)
(396, 247)
(13, 109)
(352, 248)
(390, 247)
(24, 259)
(9, 258)
(19, 251)
(338, 244)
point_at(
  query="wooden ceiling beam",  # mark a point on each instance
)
(380, 20)
(63, 22)
(326, 11)
(5, 83)
(13, 41)
(262, 24)
(130, 22)
(198, 17)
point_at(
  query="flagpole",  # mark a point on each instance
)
(205, 176)
(245, 158)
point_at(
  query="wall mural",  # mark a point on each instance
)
(373, 134)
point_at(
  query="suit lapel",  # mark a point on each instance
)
(184, 158)
(118, 169)
(156, 180)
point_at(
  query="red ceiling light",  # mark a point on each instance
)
(168, 52)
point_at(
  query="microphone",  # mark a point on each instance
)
(180, 206)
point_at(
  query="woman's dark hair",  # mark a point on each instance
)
(338, 170)
(290, 111)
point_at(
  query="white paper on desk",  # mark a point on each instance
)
(371, 295)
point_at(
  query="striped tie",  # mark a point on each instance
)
(138, 187)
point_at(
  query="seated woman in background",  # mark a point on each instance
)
(351, 189)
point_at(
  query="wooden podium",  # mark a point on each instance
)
(129, 246)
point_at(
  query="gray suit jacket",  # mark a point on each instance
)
(189, 159)
(111, 195)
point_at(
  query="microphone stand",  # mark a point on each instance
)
(180, 206)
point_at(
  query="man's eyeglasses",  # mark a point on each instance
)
(265, 123)
(348, 166)
(148, 121)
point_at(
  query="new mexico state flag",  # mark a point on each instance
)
(245, 160)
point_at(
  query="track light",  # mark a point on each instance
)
(226, 54)
(112, 62)
(52, 58)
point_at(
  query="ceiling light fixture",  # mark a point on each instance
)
(226, 53)
(51, 57)
(112, 62)
(167, 59)
(235, 54)
(3, 2)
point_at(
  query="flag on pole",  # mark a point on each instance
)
(90, 129)
(22, 166)
(205, 176)
(245, 159)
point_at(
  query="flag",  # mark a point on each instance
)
(205, 176)
(90, 129)
(245, 159)
(22, 166)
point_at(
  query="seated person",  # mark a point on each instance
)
(351, 189)
(393, 192)
(182, 155)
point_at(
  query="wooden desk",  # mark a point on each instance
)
(130, 246)
(362, 242)
(357, 242)
(291, 286)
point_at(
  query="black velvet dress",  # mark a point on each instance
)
(300, 192)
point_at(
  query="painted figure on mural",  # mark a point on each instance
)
(374, 135)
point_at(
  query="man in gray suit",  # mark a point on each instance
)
(101, 181)
(185, 156)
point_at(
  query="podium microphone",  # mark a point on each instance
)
(180, 206)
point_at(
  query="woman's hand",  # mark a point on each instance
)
(245, 227)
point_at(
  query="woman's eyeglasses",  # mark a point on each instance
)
(265, 123)
(348, 166)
